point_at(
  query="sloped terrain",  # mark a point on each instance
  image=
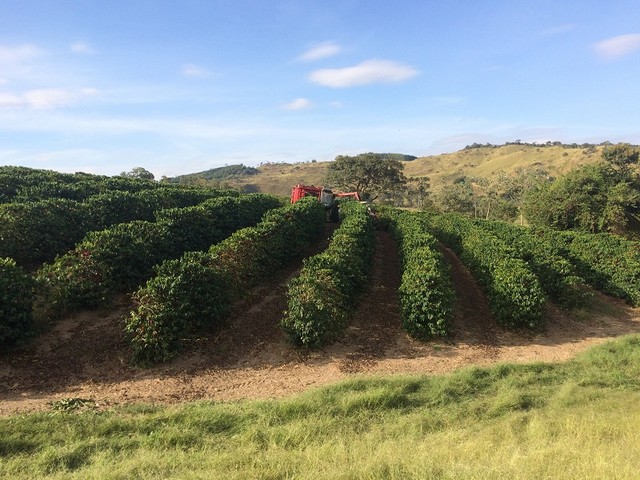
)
(86, 355)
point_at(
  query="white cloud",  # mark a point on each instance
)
(616, 47)
(48, 98)
(18, 53)
(194, 71)
(298, 104)
(44, 98)
(9, 100)
(365, 73)
(320, 51)
(82, 48)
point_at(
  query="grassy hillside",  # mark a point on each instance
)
(579, 419)
(278, 178)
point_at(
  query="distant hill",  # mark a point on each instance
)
(475, 160)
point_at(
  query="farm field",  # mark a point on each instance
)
(86, 355)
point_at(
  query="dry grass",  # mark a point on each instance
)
(481, 162)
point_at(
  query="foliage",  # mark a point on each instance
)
(369, 174)
(16, 302)
(593, 198)
(183, 296)
(323, 295)
(196, 291)
(138, 172)
(120, 258)
(513, 290)
(607, 262)
(426, 292)
(221, 173)
(34, 232)
(556, 274)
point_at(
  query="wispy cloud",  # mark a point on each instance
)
(18, 53)
(82, 48)
(617, 47)
(190, 70)
(320, 51)
(365, 73)
(44, 98)
(298, 104)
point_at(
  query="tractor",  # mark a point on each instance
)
(325, 195)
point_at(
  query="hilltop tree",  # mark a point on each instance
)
(138, 172)
(369, 174)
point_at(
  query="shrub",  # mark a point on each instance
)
(608, 262)
(196, 291)
(16, 302)
(426, 293)
(321, 298)
(34, 232)
(513, 290)
(122, 257)
(556, 274)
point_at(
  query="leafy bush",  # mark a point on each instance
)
(426, 293)
(607, 262)
(196, 290)
(34, 232)
(322, 296)
(183, 296)
(122, 257)
(556, 274)
(513, 290)
(16, 302)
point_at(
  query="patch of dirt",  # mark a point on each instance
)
(86, 355)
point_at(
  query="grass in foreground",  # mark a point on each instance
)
(579, 419)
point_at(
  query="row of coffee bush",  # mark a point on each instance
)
(557, 275)
(513, 290)
(321, 298)
(196, 291)
(609, 263)
(23, 184)
(35, 232)
(121, 258)
(426, 293)
(16, 302)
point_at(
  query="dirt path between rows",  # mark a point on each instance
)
(86, 355)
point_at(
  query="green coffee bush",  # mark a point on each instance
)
(426, 292)
(322, 297)
(197, 290)
(16, 302)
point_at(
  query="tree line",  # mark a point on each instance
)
(600, 197)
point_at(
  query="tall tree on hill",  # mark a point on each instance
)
(369, 174)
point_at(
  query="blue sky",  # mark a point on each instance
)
(186, 85)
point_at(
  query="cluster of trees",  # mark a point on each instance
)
(589, 146)
(600, 197)
(603, 197)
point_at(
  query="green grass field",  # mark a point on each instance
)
(574, 420)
